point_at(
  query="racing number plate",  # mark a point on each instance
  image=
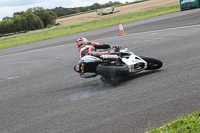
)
(132, 68)
(137, 67)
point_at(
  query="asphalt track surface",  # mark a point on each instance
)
(40, 92)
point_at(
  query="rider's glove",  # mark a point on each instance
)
(117, 48)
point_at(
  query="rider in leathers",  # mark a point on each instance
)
(92, 48)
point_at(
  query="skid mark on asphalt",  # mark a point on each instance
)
(9, 78)
(89, 89)
(80, 96)
(83, 91)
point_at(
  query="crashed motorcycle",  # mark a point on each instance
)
(113, 66)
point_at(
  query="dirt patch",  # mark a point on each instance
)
(123, 10)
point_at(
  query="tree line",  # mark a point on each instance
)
(32, 19)
(40, 18)
(60, 11)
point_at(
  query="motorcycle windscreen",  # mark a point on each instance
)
(78, 67)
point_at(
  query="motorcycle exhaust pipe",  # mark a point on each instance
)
(105, 56)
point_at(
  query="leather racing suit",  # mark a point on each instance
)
(94, 49)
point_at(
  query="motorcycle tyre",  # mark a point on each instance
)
(152, 64)
(112, 71)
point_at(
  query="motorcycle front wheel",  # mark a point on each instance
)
(152, 64)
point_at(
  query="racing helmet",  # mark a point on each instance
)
(80, 41)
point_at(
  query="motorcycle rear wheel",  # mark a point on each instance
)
(112, 71)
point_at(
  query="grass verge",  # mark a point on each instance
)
(186, 124)
(35, 36)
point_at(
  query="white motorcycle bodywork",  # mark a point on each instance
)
(134, 62)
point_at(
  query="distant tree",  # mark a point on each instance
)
(19, 22)
(59, 11)
(33, 21)
(6, 26)
(82, 9)
(95, 6)
(6, 18)
(19, 13)
(47, 17)
(24, 21)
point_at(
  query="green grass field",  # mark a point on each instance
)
(185, 124)
(59, 31)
